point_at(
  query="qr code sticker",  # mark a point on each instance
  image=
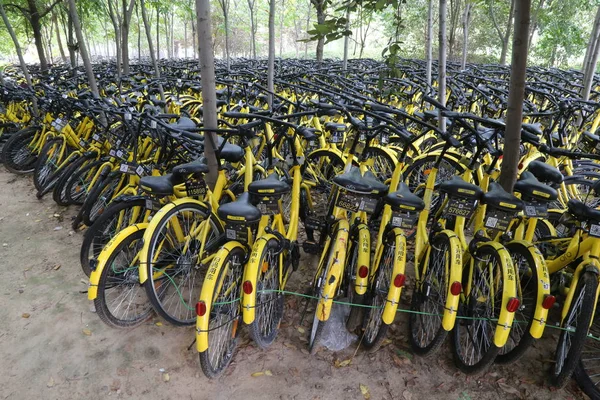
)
(491, 222)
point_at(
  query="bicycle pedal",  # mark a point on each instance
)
(311, 248)
(313, 222)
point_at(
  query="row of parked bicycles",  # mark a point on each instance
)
(352, 166)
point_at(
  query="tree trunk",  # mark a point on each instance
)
(225, 8)
(466, 21)
(13, 36)
(71, 45)
(320, 20)
(591, 47)
(534, 22)
(185, 38)
(150, 48)
(209, 94)
(271, 66)
(251, 4)
(83, 49)
(127, 12)
(36, 27)
(516, 94)
(167, 39)
(58, 39)
(139, 33)
(346, 39)
(428, 43)
(194, 35)
(157, 33)
(442, 64)
(506, 38)
(114, 18)
(282, 16)
(454, 7)
(588, 77)
(307, 28)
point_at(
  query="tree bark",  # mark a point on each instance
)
(209, 94)
(225, 8)
(127, 12)
(71, 45)
(83, 49)
(194, 36)
(588, 77)
(157, 33)
(271, 65)
(428, 43)
(114, 18)
(591, 48)
(58, 39)
(320, 8)
(151, 49)
(251, 4)
(346, 39)
(442, 64)
(466, 21)
(516, 94)
(506, 38)
(282, 15)
(185, 38)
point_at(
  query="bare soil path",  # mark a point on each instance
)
(52, 346)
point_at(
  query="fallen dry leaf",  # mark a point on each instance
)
(166, 377)
(260, 373)
(407, 395)
(508, 389)
(341, 364)
(386, 342)
(301, 329)
(87, 332)
(25, 315)
(50, 382)
(364, 389)
(57, 267)
(268, 373)
(158, 323)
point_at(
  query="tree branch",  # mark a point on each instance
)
(24, 11)
(495, 22)
(47, 10)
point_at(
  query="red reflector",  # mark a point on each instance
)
(548, 301)
(513, 304)
(200, 308)
(399, 280)
(455, 288)
(363, 271)
(247, 287)
(520, 165)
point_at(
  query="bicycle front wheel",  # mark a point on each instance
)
(225, 314)
(121, 301)
(175, 263)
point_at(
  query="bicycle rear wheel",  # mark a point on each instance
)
(429, 298)
(587, 373)
(17, 153)
(375, 329)
(519, 338)
(269, 303)
(225, 315)
(45, 174)
(575, 329)
(473, 334)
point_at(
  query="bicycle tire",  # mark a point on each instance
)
(315, 333)
(269, 304)
(97, 235)
(520, 339)
(17, 157)
(586, 373)
(78, 185)
(100, 198)
(375, 329)
(161, 299)
(356, 312)
(225, 303)
(567, 355)
(46, 172)
(112, 279)
(479, 313)
(59, 193)
(429, 299)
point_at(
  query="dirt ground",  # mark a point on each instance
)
(52, 346)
